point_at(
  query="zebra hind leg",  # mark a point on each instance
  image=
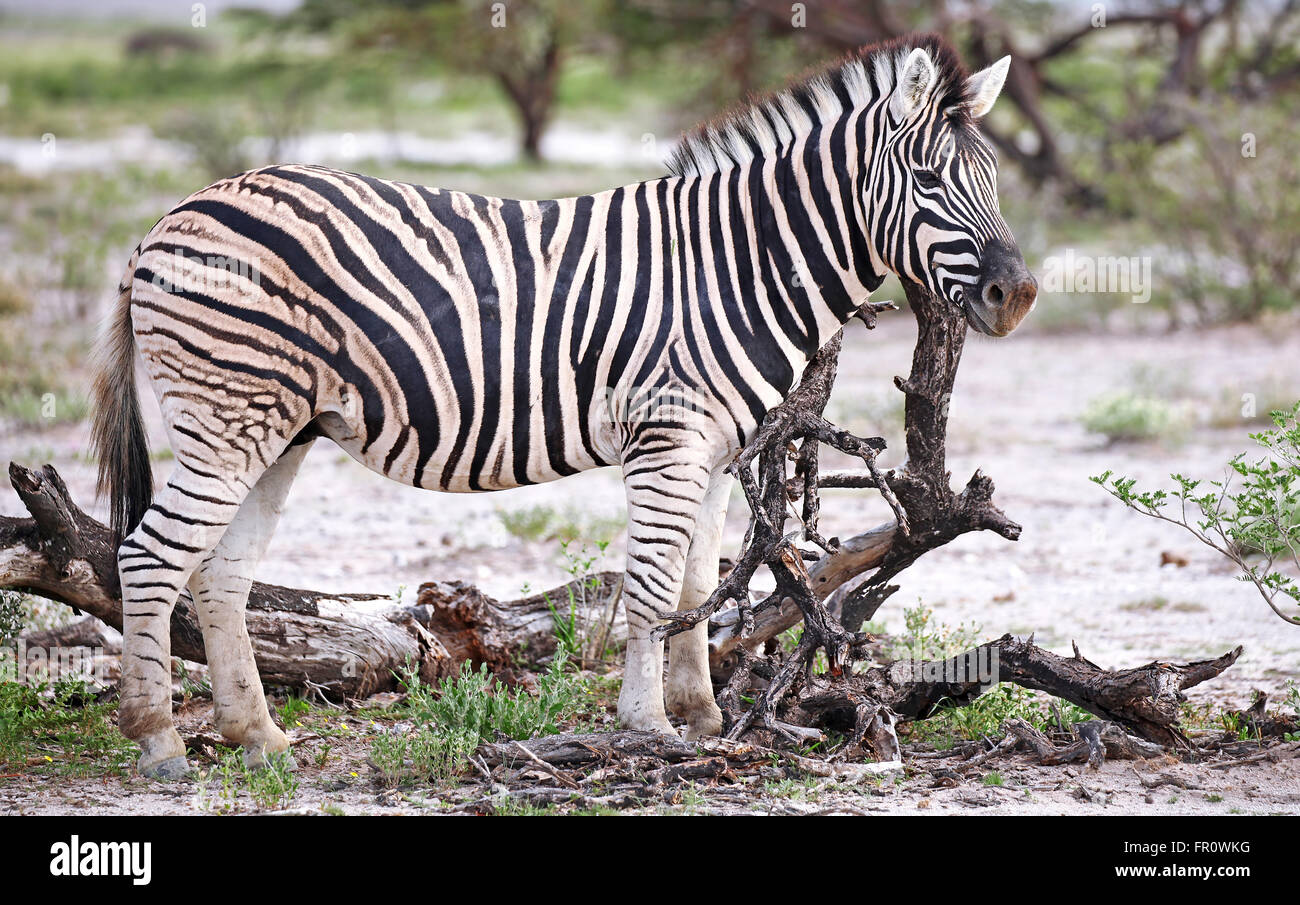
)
(689, 686)
(220, 589)
(181, 527)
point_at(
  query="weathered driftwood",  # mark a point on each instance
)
(1144, 700)
(512, 636)
(85, 632)
(339, 644)
(1094, 741)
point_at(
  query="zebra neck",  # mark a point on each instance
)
(787, 243)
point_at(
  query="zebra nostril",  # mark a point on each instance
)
(993, 294)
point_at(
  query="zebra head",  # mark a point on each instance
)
(935, 187)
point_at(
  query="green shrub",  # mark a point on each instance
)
(547, 523)
(60, 728)
(44, 409)
(12, 299)
(271, 786)
(424, 754)
(452, 719)
(584, 622)
(1252, 516)
(477, 702)
(1125, 417)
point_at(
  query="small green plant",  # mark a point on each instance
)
(477, 702)
(1126, 417)
(59, 728)
(789, 640)
(994, 778)
(451, 720)
(292, 711)
(926, 639)
(1251, 517)
(426, 753)
(271, 787)
(190, 688)
(984, 716)
(584, 624)
(1234, 725)
(507, 805)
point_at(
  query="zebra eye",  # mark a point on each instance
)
(927, 179)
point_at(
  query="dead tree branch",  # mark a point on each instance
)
(928, 514)
(348, 644)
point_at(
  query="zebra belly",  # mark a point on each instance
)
(401, 461)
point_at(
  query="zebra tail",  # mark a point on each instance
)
(118, 435)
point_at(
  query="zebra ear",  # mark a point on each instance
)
(914, 80)
(984, 87)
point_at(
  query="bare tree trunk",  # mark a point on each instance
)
(532, 92)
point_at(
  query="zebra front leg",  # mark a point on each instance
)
(664, 492)
(154, 562)
(220, 589)
(690, 687)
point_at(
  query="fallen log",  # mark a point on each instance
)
(341, 645)
(1095, 742)
(1144, 700)
(85, 632)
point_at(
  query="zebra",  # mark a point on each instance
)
(465, 343)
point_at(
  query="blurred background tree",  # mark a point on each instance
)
(520, 45)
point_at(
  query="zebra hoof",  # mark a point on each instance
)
(169, 770)
(703, 723)
(663, 727)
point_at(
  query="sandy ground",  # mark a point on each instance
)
(1085, 569)
(928, 785)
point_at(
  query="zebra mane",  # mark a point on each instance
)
(766, 124)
